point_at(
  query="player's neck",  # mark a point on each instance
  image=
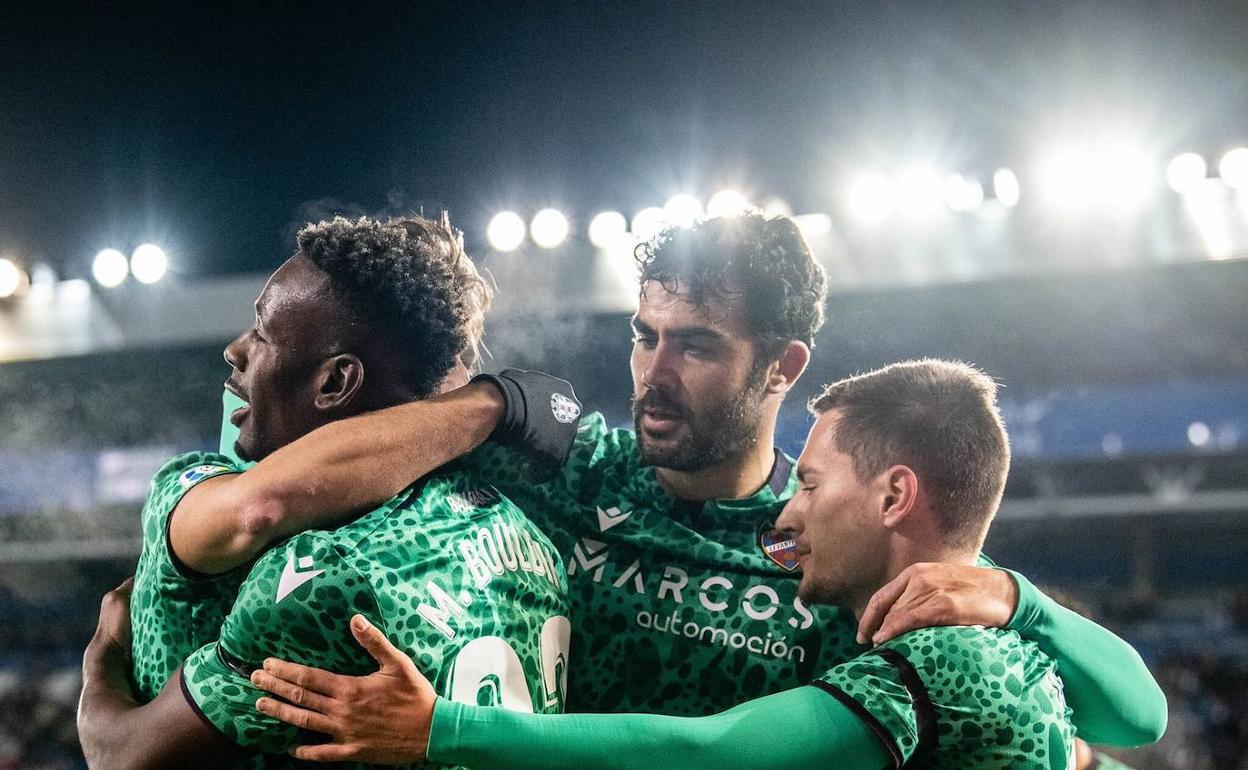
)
(902, 555)
(735, 478)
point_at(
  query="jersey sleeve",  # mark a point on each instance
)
(1113, 697)
(796, 728)
(296, 605)
(884, 691)
(170, 483)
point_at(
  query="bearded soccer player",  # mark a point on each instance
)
(366, 315)
(903, 465)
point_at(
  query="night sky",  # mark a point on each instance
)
(216, 130)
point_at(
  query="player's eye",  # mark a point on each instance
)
(647, 341)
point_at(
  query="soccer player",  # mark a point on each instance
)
(903, 465)
(685, 598)
(364, 316)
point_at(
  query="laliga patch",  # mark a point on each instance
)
(779, 547)
(563, 408)
(200, 472)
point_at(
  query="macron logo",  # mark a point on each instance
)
(292, 578)
(610, 517)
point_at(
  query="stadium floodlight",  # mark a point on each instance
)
(962, 194)
(505, 231)
(920, 193)
(606, 228)
(10, 278)
(871, 198)
(1097, 178)
(110, 268)
(1233, 168)
(1005, 187)
(549, 228)
(1198, 434)
(683, 210)
(148, 263)
(1186, 172)
(727, 203)
(647, 223)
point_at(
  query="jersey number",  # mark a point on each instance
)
(488, 672)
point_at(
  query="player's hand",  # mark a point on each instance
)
(383, 718)
(934, 594)
(540, 413)
(113, 628)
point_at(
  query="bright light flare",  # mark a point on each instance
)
(683, 210)
(871, 198)
(920, 193)
(962, 194)
(149, 263)
(727, 203)
(777, 208)
(1233, 168)
(110, 268)
(505, 231)
(549, 228)
(10, 278)
(606, 228)
(1097, 178)
(1005, 187)
(647, 223)
(1185, 172)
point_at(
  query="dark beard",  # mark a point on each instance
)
(727, 430)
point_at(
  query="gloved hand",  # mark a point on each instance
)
(541, 413)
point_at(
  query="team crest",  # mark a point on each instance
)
(779, 546)
(563, 408)
(201, 472)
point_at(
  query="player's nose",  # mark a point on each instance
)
(235, 354)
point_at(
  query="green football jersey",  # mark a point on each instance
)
(173, 610)
(451, 571)
(678, 608)
(960, 698)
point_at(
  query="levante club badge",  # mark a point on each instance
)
(779, 547)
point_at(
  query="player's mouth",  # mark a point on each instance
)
(238, 415)
(655, 421)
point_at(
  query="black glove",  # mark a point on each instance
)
(541, 413)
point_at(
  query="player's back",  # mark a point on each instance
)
(960, 698)
(451, 571)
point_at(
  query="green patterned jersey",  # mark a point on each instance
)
(676, 607)
(173, 610)
(451, 571)
(960, 698)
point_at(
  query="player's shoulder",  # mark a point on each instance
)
(951, 658)
(184, 471)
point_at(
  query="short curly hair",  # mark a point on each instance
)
(411, 278)
(764, 261)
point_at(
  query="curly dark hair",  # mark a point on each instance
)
(411, 278)
(763, 261)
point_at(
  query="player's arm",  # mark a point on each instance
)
(115, 731)
(1113, 697)
(394, 717)
(352, 464)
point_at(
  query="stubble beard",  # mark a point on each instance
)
(726, 430)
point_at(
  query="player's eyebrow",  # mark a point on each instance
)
(804, 473)
(700, 333)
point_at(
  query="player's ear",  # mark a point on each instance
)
(339, 381)
(899, 494)
(788, 367)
